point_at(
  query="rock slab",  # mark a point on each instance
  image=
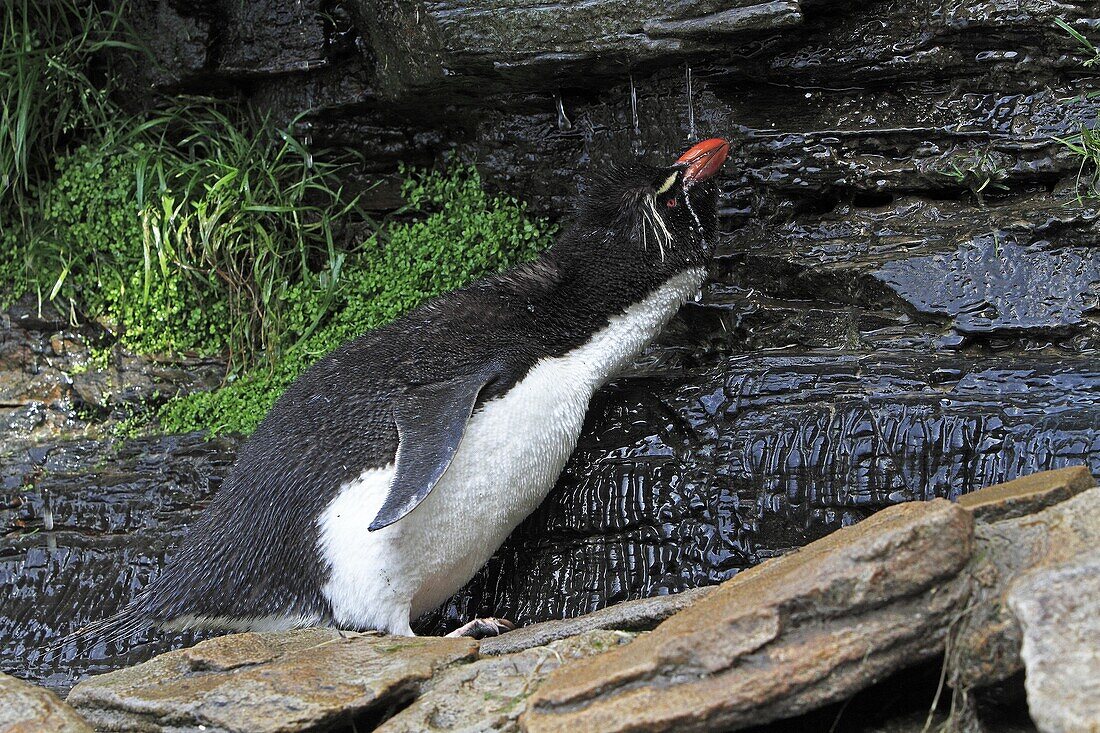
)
(489, 695)
(1061, 644)
(1027, 494)
(25, 708)
(792, 634)
(641, 614)
(267, 683)
(985, 643)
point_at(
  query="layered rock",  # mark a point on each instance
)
(793, 634)
(1012, 558)
(790, 636)
(268, 683)
(902, 306)
(51, 385)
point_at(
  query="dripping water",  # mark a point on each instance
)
(690, 104)
(634, 106)
(563, 122)
(47, 511)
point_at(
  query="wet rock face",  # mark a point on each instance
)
(58, 380)
(903, 304)
(763, 454)
(86, 524)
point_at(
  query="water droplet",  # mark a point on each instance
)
(563, 122)
(634, 106)
(690, 104)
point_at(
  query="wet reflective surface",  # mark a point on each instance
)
(678, 485)
(116, 509)
(904, 303)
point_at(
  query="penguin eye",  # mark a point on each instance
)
(671, 203)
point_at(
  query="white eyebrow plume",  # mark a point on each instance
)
(668, 183)
(654, 221)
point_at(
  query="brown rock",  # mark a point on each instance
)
(25, 708)
(491, 693)
(1027, 494)
(985, 643)
(794, 633)
(641, 614)
(260, 682)
(1061, 648)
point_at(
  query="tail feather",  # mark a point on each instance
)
(107, 631)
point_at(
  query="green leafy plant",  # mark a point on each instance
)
(248, 213)
(194, 231)
(1086, 142)
(1086, 45)
(464, 233)
(50, 91)
(978, 171)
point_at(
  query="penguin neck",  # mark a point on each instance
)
(612, 310)
(625, 334)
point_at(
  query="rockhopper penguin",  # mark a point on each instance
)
(389, 472)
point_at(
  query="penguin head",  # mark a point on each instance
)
(664, 216)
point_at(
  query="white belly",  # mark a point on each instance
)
(509, 458)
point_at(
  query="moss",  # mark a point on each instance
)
(465, 234)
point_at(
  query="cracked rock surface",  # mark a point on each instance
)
(903, 304)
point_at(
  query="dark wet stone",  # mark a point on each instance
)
(990, 285)
(440, 44)
(85, 525)
(51, 387)
(681, 482)
(873, 330)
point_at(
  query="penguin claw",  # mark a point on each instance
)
(481, 628)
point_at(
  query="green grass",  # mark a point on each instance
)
(53, 85)
(1086, 142)
(465, 234)
(250, 215)
(194, 231)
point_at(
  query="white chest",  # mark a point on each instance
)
(509, 458)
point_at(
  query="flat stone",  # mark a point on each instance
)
(985, 642)
(1027, 494)
(768, 15)
(638, 615)
(25, 708)
(1061, 644)
(267, 682)
(443, 43)
(490, 694)
(792, 634)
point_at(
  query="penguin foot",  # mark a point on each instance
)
(481, 628)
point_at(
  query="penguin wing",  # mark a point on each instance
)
(431, 420)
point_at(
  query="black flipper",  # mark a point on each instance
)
(431, 420)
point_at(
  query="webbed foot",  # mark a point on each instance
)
(481, 628)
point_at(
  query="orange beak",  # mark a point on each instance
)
(703, 160)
